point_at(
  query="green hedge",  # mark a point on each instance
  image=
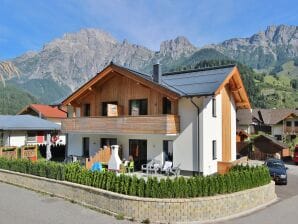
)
(238, 179)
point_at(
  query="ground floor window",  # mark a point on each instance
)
(168, 150)
(31, 136)
(108, 142)
(86, 143)
(214, 151)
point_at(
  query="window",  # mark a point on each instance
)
(214, 151)
(138, 107)
(288, 123)
(213, 107)
(296, 123)
(87, 110)
(104, 111)
(108, 142)
(166, 106)
(85, 146)
(31, 137)
(168, 150)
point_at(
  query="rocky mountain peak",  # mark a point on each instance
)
(177, 47)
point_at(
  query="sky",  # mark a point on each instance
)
(26, 25)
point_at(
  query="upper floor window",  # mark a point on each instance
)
(166, 106)
(214, 150)
(105, 111)
(138, 107)
(296, 123)
(288, 123)
(213, 107)
(86, 110)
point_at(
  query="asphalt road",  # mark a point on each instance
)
(19, 206)
(283, 211)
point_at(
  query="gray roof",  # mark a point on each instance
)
(26, 122)
(200, 82)
(244, 117)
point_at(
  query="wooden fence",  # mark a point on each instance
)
(10, 152)
(224, 167)
(29, 152)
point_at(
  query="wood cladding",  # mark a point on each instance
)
(118, 88)
(159, 124)
(226, 125)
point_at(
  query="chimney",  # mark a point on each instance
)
(157, 73)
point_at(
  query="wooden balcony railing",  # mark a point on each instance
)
(147, 124)
(290, 130)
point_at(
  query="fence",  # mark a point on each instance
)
(10, 152)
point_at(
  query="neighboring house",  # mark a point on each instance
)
(50, 113)
(19, 130)
(241, 139)
(280, 123)
(265, 146)
(188, 117)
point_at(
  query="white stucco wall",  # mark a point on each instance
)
(211, 129)
(185, 152)
(277, 129)
(14, 138)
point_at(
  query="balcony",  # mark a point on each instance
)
(290, 130)
(147, 124)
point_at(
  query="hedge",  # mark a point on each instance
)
(238, 179)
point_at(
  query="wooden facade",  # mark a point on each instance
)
(226, 125)
(121, 89)
(158, 124)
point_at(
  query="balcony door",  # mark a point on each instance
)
(138, 150)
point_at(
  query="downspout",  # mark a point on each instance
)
(198, 132)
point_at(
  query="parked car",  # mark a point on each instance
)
(278, 170)
(295, 158)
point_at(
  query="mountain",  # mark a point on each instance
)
(13, 99)
(65, 63)
(264, 50)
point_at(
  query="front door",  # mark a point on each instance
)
(138, 150)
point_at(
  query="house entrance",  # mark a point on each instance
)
(138, 150)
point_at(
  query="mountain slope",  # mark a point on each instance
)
(12, 99)
(66, 63)
(265, 49)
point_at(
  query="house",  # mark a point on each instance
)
(19, 130)
(50, 113)
(188, 117)
(265, 146)
(280, 123)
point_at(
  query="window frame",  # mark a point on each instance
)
(214, 150)
(213, 107)
(288, 122)
(85, 114)
(140, 105)
(166, 106)
(105, 105)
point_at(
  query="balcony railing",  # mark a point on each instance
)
(148, 124)
(290, 130)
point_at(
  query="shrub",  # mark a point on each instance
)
(239, 178)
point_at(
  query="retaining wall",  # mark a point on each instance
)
(157, 210)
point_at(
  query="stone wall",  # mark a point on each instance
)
(157, 210)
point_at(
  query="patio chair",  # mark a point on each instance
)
(175, 170)
(152, 166)
(167, 167)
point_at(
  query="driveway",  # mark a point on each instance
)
(19, 206)
(283, 211)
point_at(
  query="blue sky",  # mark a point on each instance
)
(29, 24)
